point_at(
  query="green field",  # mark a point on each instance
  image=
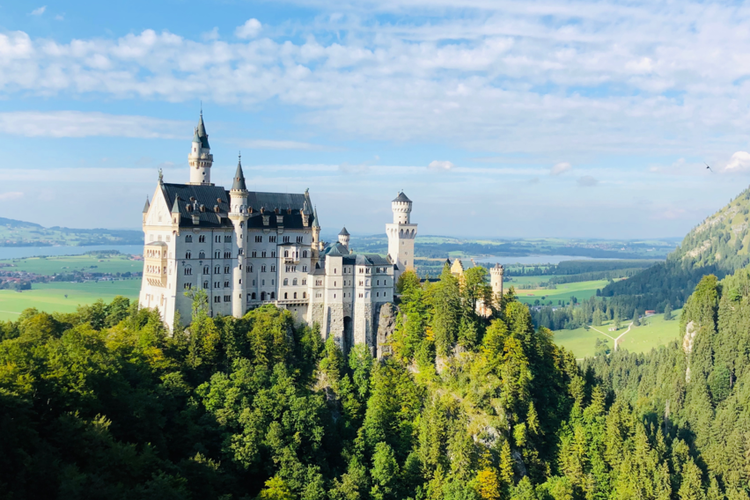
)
(50, 297)
(582, 291)
(84, 263)
(654, 333)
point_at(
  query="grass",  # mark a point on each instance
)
(656, 332)
(85, 263)
(50, 297)
(582, 290)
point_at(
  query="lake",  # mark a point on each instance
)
(535, 259)
(20, 252)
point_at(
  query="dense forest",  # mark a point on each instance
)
(104, 403)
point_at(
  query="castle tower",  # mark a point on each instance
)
(200, 158)
(401, 234)
(315, 246)
(344, 238)
(239, 216)
(496, 280)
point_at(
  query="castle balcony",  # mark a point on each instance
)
(155, 263)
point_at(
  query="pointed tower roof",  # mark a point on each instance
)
(239, 178)
(344, 232)
(402, 197)
(201, 131)
(176, 206)
(315, 217)
(146, 206)
(197, 138)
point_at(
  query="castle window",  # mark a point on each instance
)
(295, 295)
(262, 295)
(217, 270)
(286, 253)
(263, 269)
(304, 282)
(318, 282)
(205, 285)
(187, 254)
(262, 282)
(251, 268)
(259, 239)
(253, 282)
(240, 251)
(304, 295)
(188, 238)
(188, 271)
(202, 238)
(217, 239)
(273, 253)
(201, 255)
(273, 269)
(273, 282)
(217, 284)
(272, 239)
(286, 281)
(240, 281)
(294, 282)
(273, 295)
(304, 254)
(286, 295)
(217, 299)
(334, 295)
(217, 254)
(228, 238)
(304, 269)
(255, 254)
(227, 298)
(226, 284)
(252, 296)
(263, 254)
(335, 271)
(187, 286)
(361, 282)
(299, 239)
(286, 239)
(227, 255)
(334, 283)
(226, 269)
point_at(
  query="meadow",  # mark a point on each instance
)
(64, 297)
(582, 290)
(48, 266)
(654, 333)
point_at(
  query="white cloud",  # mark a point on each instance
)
(250, 29)
(211, 35)
(739, 162)
(272, 144)
(11, 195)
(587, 181)
(441, 166)
(88, 124)
(39, 11)
(560, 168)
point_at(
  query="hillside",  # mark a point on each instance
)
(16, 233)
(719, 245)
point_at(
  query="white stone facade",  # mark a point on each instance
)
(246, 249)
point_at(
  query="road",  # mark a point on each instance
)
(611, 337)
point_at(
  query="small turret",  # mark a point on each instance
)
(200, 158)
(146, 206)
(496, 280)
(401, 207)
(344, 238)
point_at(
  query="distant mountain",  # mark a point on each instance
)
(719, 245)
(16, 233)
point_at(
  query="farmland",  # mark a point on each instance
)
(64, 297)
(89, 263)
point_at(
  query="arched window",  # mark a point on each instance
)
(205, 284)
(187, 254)
(304, 254)
(304, 295)
(294, 281)
(188, 238)
(252, 296)
(262, 295)
(202, 238)
(286, 295)
(286, 281)
(295, 295)
(273, 295)
(201, 254)
(206, 269)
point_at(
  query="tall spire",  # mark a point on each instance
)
(315, 218)
(239, 177)
(146, 206)
(176, 206)
(202, 132)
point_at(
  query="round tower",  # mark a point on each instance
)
(200, 158)
(344, 238)
(239, 216)
(401, 207)
(496, 280)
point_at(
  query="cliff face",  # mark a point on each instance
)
(386, 327)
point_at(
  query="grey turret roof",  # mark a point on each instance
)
(402, 197)
(239, 178)
(197, 138)
(201, 131)
(146, 206)
(316, 224)
(344, 232)
(176, 205)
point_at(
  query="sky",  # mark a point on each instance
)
(498, 119)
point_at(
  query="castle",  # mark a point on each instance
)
(246, 248)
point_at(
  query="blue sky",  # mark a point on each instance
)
(499, 119)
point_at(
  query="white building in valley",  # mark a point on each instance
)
(246, 248)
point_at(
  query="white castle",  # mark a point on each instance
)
(247, 248)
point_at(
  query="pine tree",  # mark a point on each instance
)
(668, 312)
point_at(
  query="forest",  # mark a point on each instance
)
(105, 403)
